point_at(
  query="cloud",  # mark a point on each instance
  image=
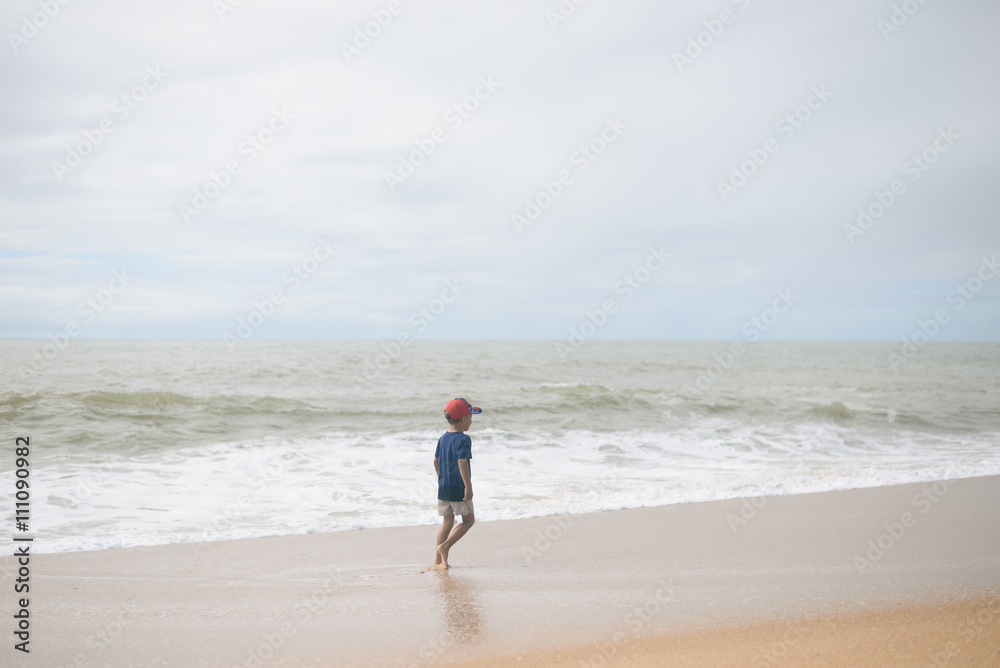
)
(352, 122)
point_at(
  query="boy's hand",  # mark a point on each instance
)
(466, 473)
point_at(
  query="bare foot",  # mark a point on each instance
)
(443, 553)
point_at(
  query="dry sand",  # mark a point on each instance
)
(713, 584)
(964, 633)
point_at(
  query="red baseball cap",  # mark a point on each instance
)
(459, 408)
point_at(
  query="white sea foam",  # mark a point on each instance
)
(340, 482)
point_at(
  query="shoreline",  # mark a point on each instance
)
(436, 522)
(522, 587)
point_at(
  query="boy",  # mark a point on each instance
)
(451, 464)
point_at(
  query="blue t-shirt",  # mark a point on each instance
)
(452, 446)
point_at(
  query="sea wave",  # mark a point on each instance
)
(142, 443)
(342, 481)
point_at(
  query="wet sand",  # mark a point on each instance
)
(722, 581)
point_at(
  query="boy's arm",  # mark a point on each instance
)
(437, 471)
(466, 472)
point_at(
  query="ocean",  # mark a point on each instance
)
(155, 442)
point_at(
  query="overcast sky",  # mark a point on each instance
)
(95, 183)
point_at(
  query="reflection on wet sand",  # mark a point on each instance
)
(460, 604)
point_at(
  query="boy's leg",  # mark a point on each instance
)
(456, 535)
(448, 521)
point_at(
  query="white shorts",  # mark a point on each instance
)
(455, 508)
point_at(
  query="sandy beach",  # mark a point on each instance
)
(894, 576)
